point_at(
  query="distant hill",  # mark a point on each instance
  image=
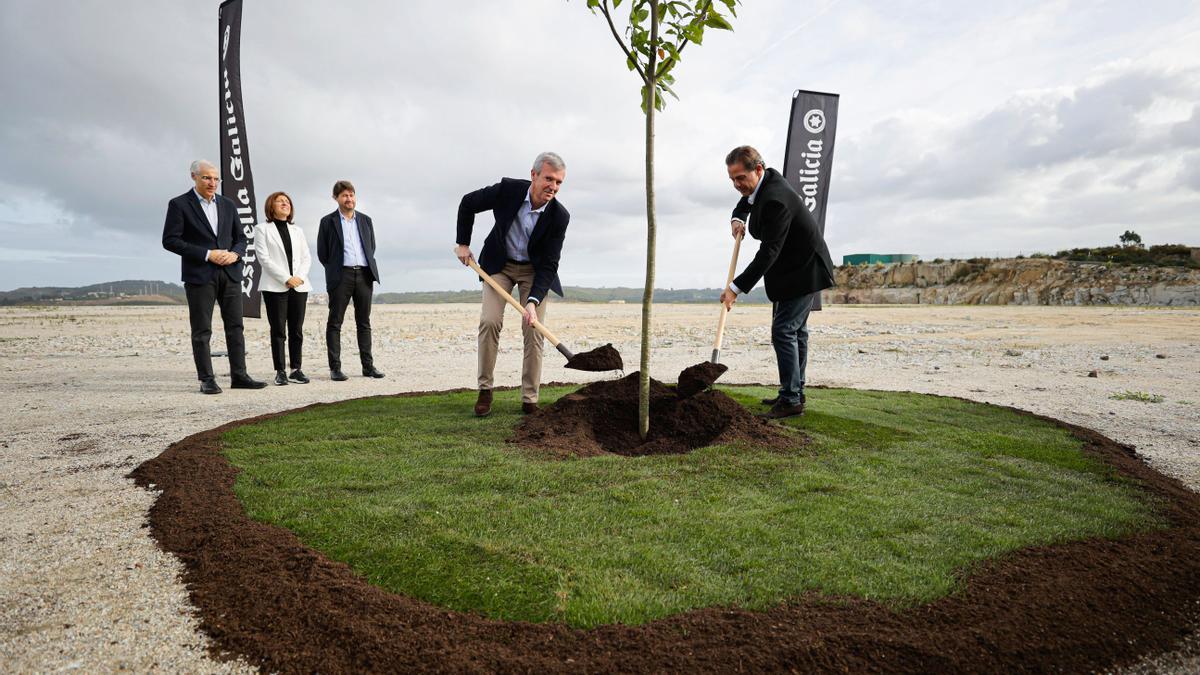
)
(581, 294)
(112, 292)
(165, 293)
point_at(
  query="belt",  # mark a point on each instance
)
(355, 267)
(520, 262)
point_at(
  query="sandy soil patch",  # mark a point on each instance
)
(91, 392)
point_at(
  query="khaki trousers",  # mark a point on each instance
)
(491, 320)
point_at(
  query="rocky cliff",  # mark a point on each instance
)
(1035, 281)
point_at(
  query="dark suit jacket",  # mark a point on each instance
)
(545, 242)
(793, 257)
(187, 234)
(330, 245)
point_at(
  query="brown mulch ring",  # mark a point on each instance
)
(1077, 607)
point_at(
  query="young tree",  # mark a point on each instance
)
(653, 40)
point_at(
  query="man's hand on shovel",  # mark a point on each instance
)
(463, 253)
(728, 297)
(530, 314)
(738, 229)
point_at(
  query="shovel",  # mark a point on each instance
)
(697, 378)
(598, 360)
(716, 355)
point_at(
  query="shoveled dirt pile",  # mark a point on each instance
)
(1077, 607)
(602, 418)
(597, 360)
(697, 378)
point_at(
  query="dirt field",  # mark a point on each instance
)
(91, 392)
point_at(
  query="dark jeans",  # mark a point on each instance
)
(355, 285)
(228, 294)
(789, 336)
(285, 313)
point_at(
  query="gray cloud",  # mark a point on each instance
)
(974, 129)
(1189, 177)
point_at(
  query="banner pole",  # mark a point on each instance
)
(238, 181)
(808, 158)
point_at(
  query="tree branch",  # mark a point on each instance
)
(669, 62)
(616, 36)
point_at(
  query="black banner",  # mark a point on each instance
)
(808, 162)
(238, 181)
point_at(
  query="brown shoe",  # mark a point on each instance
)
(781, 410)
(529, 408)
(483, 404)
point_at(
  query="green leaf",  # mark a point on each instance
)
(714, 20)
(663, 87)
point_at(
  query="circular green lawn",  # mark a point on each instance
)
(893, 499)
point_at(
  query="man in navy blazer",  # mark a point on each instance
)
(522, 249)
(793, 261)
(346, 247)
(202, 228)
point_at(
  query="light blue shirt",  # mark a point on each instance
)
(522, 226)
(352, 248)
(209, 207)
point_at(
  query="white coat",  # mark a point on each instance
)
(273, 258)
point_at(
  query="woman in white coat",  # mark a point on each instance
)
(285, 260)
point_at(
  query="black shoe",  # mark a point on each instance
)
(209, 386)
(770, 401)
(337, 376)
(528, 408)
(781, 410)
(280, 378)
(370, 371)
(298, 376)
(246, 382)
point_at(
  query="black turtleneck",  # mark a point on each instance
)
(286, 236)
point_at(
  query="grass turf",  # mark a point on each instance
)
(897, 495)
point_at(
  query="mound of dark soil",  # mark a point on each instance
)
(602, 418)
(697, 378)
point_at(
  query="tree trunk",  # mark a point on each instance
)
(648, 292)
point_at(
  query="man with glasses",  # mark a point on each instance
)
(202, 228)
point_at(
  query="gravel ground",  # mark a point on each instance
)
(91, 392)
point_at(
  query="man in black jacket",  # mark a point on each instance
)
(793, 260)
(202, 228)
(346, 247)
(521, 250)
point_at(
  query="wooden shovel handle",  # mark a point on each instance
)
(507, 295)
(737, 245)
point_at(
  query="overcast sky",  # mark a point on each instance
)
(965, 128)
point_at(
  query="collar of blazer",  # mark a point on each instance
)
(770, 176)
(272, 232)
(766, 190)
(203, 219)
(549, 215)
(359, 221)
